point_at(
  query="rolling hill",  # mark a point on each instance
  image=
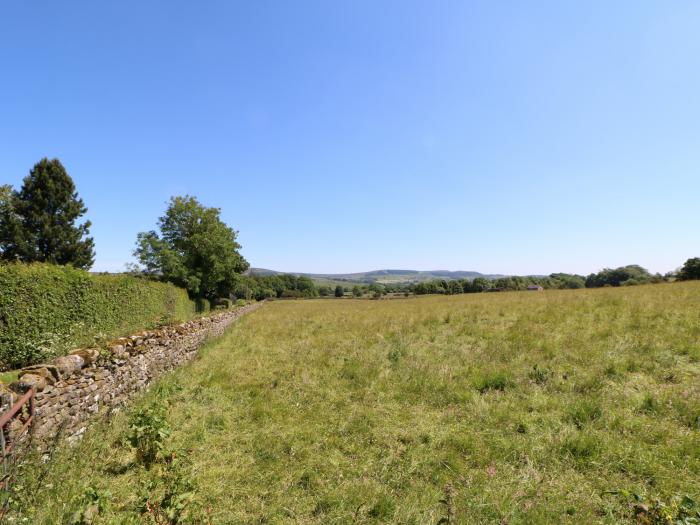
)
(381, 276)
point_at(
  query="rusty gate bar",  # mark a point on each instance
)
(7, 444)
(6, 418)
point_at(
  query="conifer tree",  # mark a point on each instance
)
(39, 222)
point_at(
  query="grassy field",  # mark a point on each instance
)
(482, 408)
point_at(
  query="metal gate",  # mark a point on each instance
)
(22, 411)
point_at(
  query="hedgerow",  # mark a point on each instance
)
(45, 310)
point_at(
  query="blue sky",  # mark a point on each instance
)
(510, 137)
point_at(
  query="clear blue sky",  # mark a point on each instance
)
(511, 137)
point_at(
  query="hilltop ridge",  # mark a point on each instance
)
(384, 276)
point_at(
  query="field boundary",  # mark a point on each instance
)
(74, 388)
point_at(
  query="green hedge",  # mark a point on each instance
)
(46, 310)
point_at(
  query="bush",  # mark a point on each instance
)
(690, 270)
(624, 275)
(46, 310)
(223, 303)
(202, 306)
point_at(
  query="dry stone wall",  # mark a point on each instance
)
(73, 388)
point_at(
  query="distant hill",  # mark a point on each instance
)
(381, 276)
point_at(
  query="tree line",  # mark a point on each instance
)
(629, 275)
(194, 249)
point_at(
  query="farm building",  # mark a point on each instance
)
(535, 288)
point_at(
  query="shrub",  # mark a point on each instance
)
(46, 310)
(202, 305)
(690, 270)
(224, 303)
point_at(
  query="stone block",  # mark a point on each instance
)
(69, 364)
(48, 371)
(27, 381)
(88, 355)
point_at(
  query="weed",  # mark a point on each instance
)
(679, 510)
(148, 428)
(393, 356)
(169, 499)
(540, 376)
(448, 502)
(88, 506)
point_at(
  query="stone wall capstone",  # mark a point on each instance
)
(73, 388)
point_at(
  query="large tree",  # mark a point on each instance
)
(39, 223)
(630, 274)
(690, 270)
(195, 250)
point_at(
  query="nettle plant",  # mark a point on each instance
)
(92, 503)
(148, 429)
(169, 498)
(680, 510)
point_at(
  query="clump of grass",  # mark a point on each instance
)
(497, 380)
(215, 422)
(649, 405)
(306, 480)
(688, 412)
(394, 356)
(323, 506)
(540, 376)
(583, 411)
(383, 508)
(581, 447)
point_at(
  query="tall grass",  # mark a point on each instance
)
(496, 408)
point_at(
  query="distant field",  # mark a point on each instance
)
(481, 408)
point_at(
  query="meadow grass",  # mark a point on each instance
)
(529, 407)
